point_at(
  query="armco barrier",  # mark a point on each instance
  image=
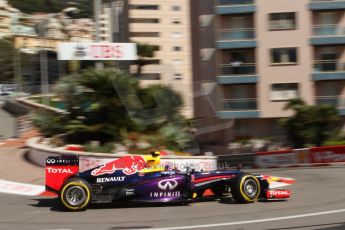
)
(38, 153)
(301, 157)
(247, 160)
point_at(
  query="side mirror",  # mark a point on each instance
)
(155, 154)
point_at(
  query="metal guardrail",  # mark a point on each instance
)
(328, 30)
(329, 66)
(234, 2)
(241, 104)
(237, 68)
(325, 0)
(338, 102)
(236, 34)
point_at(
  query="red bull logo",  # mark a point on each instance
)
(129, 165)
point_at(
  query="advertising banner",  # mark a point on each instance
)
(275, 158)
(320, 155)
(97, 51)
(282, 158)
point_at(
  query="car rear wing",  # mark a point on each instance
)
(58, 169)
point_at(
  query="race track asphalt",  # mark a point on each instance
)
(318, 203)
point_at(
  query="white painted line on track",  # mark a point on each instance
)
(20, 188)
(252, 221)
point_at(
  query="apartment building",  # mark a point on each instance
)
(264, 53)
(165, 24)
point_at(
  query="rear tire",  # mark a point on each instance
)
(245, 189)
(75, 194)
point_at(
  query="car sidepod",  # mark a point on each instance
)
(166, 188)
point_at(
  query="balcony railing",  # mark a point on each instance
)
(237, 68)
(236, 34)
(336, 101)
(329, 66)
(328, 30)
(325, 0)
(234, 2)
(241, 104)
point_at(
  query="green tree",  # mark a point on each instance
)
(309, 125)
(7, 53)
(53, 6)
(145, 53)
(102, 105)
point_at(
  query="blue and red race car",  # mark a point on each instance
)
(141, 178)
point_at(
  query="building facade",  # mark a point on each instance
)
(264, 53)
(166, 24)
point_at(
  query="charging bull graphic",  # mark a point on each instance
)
(129, 165)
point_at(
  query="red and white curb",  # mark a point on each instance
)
(23, 189)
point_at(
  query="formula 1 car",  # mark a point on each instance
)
(141, 178)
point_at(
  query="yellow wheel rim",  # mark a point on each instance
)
(244, 194)
(77, 184)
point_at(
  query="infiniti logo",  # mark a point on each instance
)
(168, 184)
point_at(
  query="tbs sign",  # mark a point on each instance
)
(97, 51)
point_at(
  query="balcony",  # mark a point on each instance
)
(327, 4)
(328, 35)
(325, 70)
(238, 108)
(236, 38)
(235, 6)
(336, 101)
(237, 73)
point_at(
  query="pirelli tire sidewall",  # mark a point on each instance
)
(79, 184)
(239, 189)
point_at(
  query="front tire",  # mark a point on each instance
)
(75, 194)
(245, 189)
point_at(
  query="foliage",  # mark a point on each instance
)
(49, 123)
(106, 105)
(6, 61)
(53, 6)
(144, 51)
(106, 148)
(310, 125)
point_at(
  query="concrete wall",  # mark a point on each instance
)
(7, 124)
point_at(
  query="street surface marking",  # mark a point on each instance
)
(20, 188)
(253, 221)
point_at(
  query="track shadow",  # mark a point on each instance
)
(51, 203)
(133, 204)
(131, 227)
(54, 205)
(228, 200)
(271, 201)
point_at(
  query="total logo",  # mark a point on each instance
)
(279, 193)
(168, 184)
(54, 171)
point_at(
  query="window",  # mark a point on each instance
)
(143, 7)
(176, 8)
(284, 56)
(176, 21)
(144, 20)
(177, 62)
(282, 21)
(150, 76)
(284, 91)
(177, 76)
(144, 34)
(176, 35)
(177, 48)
